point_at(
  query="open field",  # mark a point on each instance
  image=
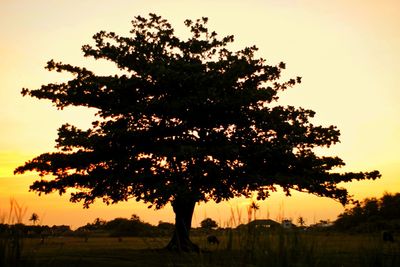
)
(235, 249)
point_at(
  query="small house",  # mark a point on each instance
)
(287, 224)
(266, 224)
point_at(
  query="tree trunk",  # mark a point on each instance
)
(180, 241)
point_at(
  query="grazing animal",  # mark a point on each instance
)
(387, 236)
(212, 239)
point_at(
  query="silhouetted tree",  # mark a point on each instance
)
(390, 206)
(34, 218)
(370, 208)
(371, 214)
(125, 227)
(99, 223)
(185, 121)
(301, 221)
(252, 209)
(208, 224)
(135, 217)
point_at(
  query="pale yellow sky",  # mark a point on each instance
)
(346, 51)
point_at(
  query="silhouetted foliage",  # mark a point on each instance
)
(118, 227)
(208, 224)
(372, 215)
(129, 227)
(58, 230)
(34, 218)
(34, 230)
(165, 226)
(301, 221)
(186, 121)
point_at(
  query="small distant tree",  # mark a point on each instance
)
(99, 222)
(208, 224)
(135, 217)
(34, 218)
(184, 121)
(252, 210)
(301, 221)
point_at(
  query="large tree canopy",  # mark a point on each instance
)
(189, 121)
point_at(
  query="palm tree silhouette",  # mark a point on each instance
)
(252, 209)
(34, 218)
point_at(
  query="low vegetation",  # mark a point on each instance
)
(245, 247)
(354, 239)
(371, 215)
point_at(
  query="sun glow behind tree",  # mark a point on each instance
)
(190, 122)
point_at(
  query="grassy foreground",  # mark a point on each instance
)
(244, 248)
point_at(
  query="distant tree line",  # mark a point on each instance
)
(371, 215)
(34, 230)
(119, 227)
(116, 227)
(135, 227)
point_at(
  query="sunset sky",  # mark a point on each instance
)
(346, 51)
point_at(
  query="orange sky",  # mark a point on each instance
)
(346, 51)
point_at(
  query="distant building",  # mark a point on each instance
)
(287, 224)
(322, 224)
(264, 224)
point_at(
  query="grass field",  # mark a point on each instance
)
(235, 249)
